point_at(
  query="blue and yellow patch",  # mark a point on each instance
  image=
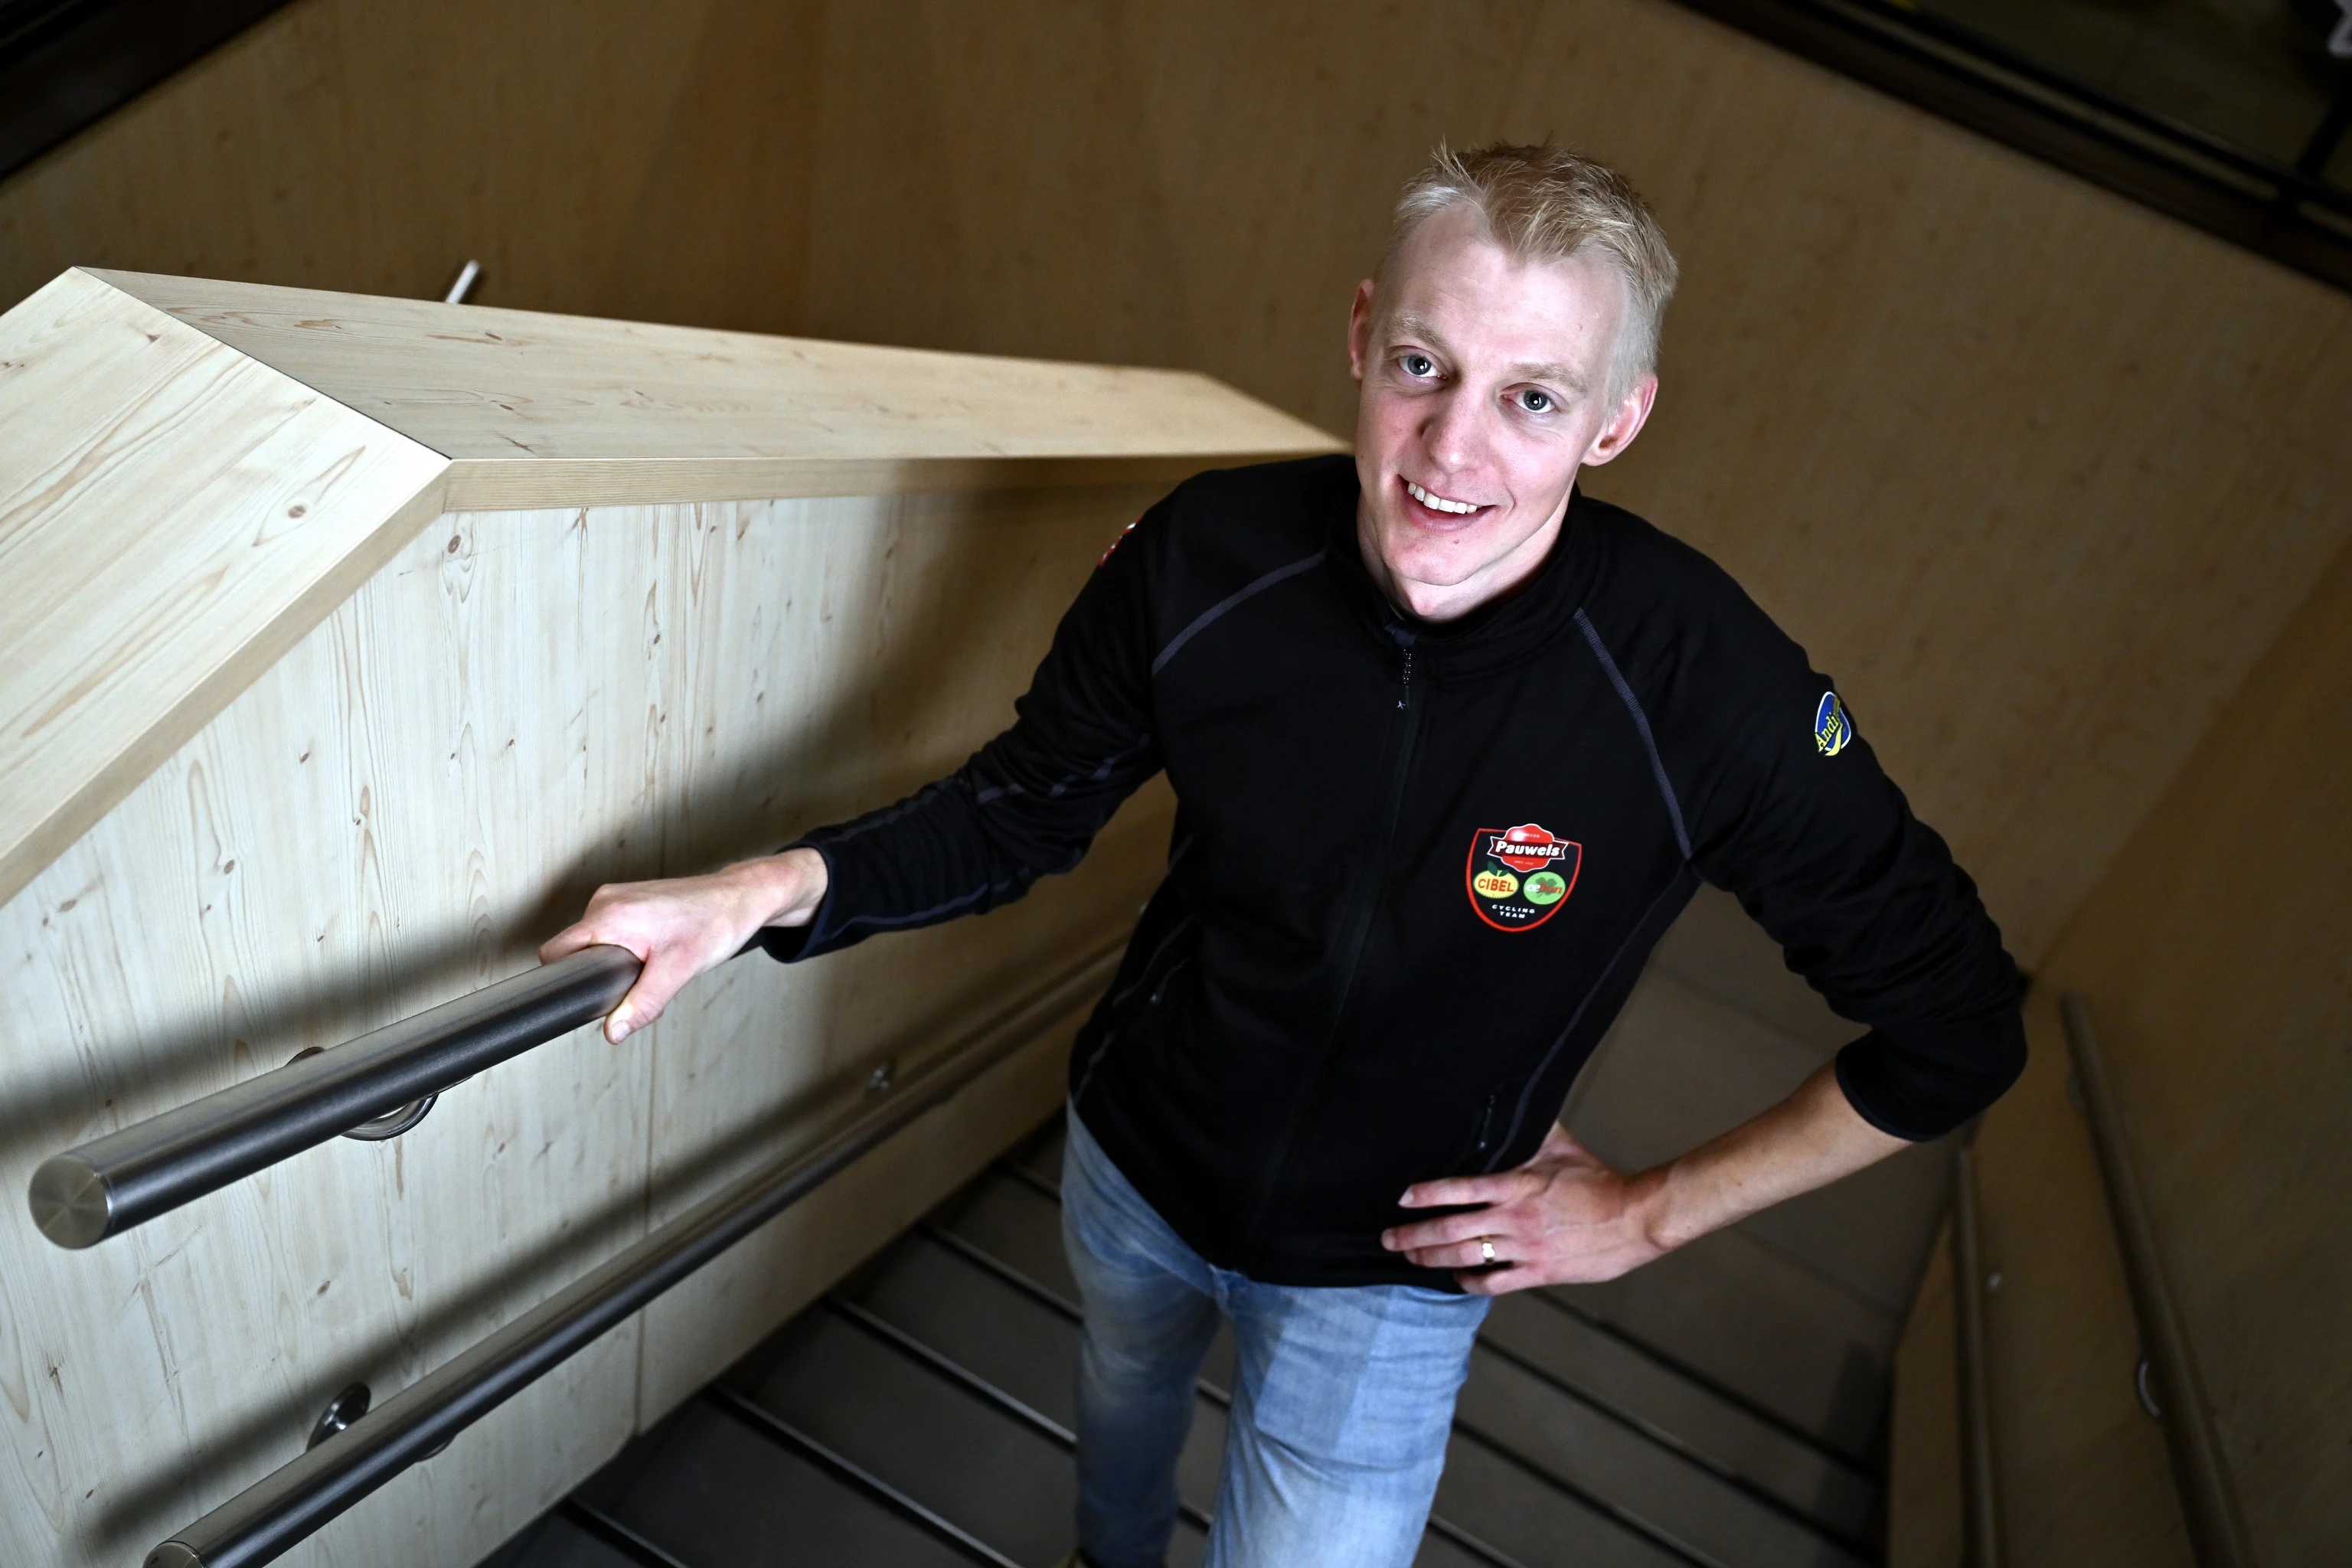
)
(1831, 728)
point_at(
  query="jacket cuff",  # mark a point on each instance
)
(789, 944)
(1925, 1083)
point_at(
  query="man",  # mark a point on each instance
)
(1452, 744)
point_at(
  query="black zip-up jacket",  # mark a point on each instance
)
(1417, 867)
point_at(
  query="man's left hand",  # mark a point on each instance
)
(1565, 1218)
(1562, 1218)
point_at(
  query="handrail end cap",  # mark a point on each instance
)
(73, 1203)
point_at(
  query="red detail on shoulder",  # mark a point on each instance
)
(1114, 544)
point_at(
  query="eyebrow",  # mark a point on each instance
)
(1408, 324)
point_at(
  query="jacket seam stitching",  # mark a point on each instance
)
(1207, 618)
(1641, 722)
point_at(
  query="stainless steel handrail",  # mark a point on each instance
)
(105, 1186)
(279, 1510)
(1979, 1476)
(2208, 1502)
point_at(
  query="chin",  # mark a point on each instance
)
(1433, 564)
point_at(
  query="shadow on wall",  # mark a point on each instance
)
(146, 1508)
(908, 687)
(923, 637)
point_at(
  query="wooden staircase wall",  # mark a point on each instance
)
(312, 722)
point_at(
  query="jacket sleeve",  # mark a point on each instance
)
(1026, 805)
(1788, 809)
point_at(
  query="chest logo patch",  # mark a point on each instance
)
(1831, 728)
(1519, 877)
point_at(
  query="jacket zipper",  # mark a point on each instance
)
(1271, 1183)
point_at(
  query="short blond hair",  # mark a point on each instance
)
(1547, 202)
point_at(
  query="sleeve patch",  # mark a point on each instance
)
(1831, 728)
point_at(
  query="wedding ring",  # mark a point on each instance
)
(1487, 1249)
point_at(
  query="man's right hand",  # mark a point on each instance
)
(683, 925)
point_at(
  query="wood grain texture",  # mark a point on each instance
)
(544, 410)
(2083, 1477)
(518, 706)
(172, 517)
(2035, 473)
(2218, 954)
(186, 489)
(1922, 1463)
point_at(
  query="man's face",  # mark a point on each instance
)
(1483, 385)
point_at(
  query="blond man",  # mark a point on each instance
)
(1453, 743)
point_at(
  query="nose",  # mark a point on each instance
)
(1453, 435)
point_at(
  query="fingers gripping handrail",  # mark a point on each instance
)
(107, 1186)
(279, 1510)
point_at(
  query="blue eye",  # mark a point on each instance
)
(1419, 364)
(1536, 402)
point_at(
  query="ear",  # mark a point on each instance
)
(1360, 330)
(1633, 412)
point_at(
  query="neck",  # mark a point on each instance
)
(1442, 602)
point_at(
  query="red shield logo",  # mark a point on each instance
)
(1519, 877)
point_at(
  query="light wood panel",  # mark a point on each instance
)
(519, 705)
(2218, 954)
(1923, 1466)
(2083, 1477)
(2035, 473)
(174, 511)
(172, 517)
(544, 410)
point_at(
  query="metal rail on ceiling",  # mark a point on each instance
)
(2284, 211)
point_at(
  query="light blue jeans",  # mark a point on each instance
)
(1341, 1404)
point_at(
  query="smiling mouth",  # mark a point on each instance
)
(1443, 505)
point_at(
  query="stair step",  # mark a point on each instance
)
(1825, 1507)
(1438, 1551)
(555, 1541)
(919, 1431)
(1573, 1441)
(1832, 1491)
(1014, 1223)
(924, 1414)
(962, 1312)
(1040, 1155)
(974, 1318)
(1532, 1523)
(1763, 1328)
(710, 1491)
(1011, 1219)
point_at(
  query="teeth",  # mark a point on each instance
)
(1437, 503)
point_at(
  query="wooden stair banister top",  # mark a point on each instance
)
(543, 410)
(193, 474)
